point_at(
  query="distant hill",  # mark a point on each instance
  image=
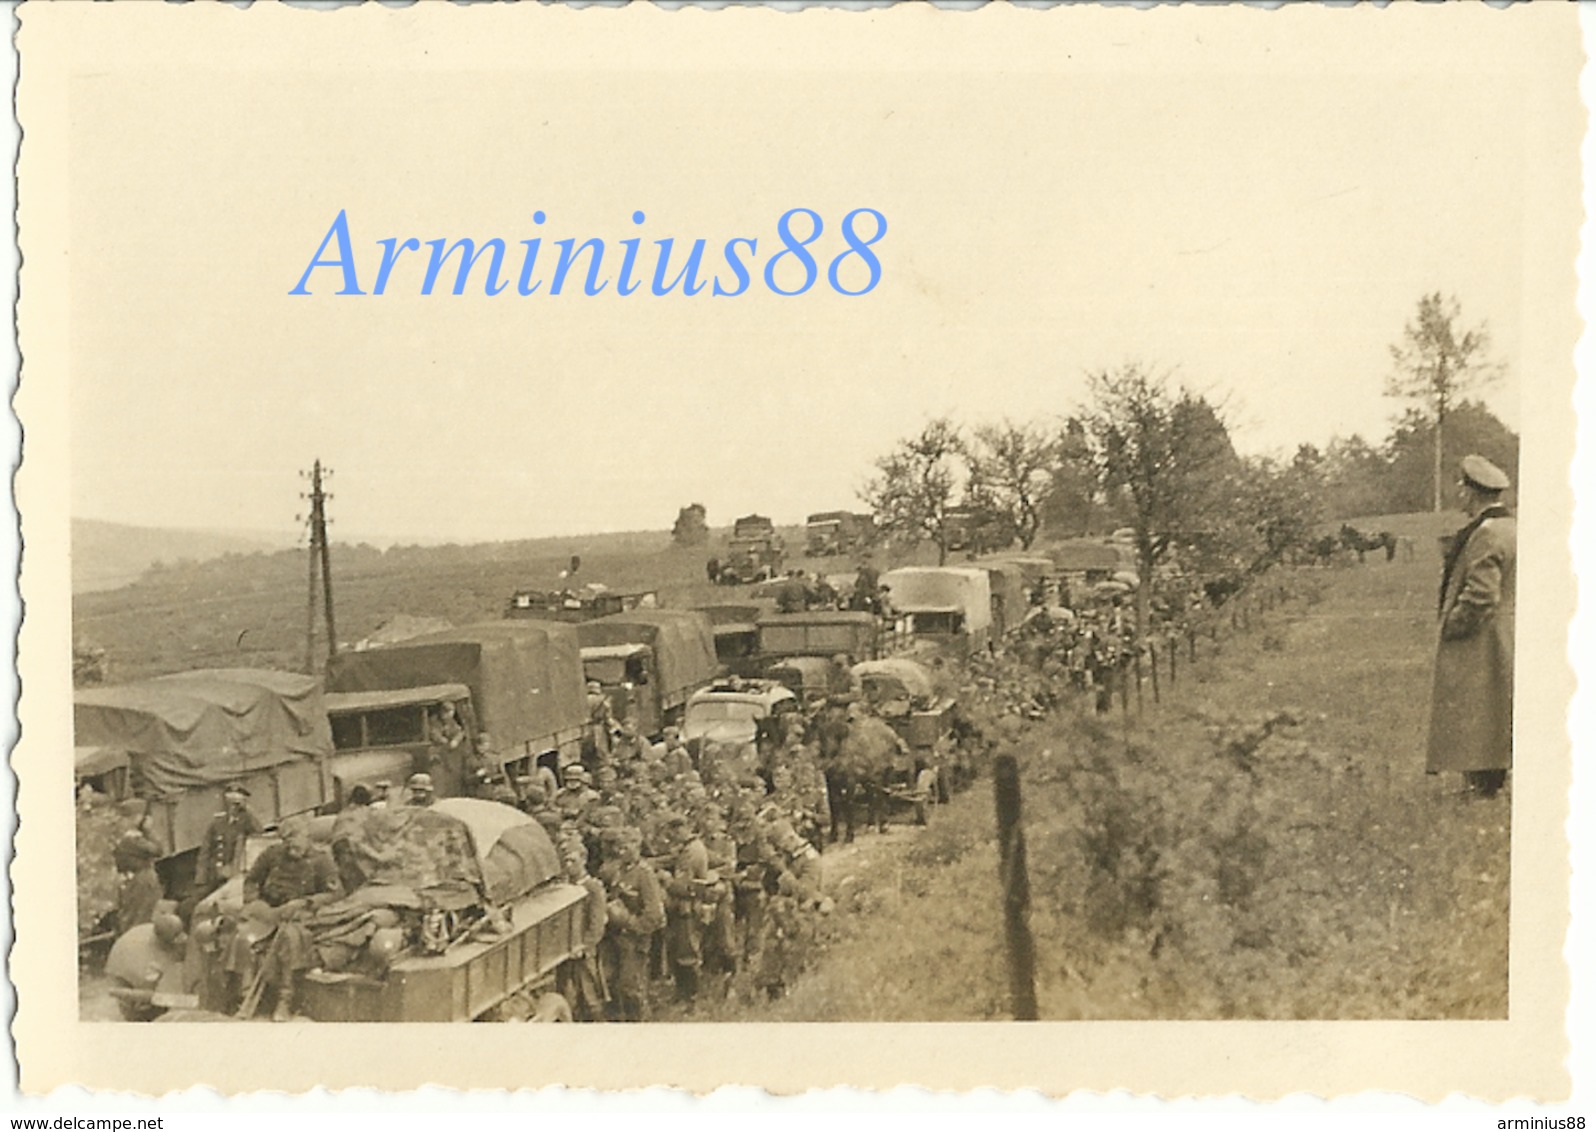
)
(108, 555)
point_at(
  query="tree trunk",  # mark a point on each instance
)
(1144, 593)
(1440, 444)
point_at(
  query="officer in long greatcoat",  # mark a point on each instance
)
(1471, 718)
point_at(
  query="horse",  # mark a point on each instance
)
(1324, 550)
(1354, 539)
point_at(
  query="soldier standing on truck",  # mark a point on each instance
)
(222, 853)
(636, 911)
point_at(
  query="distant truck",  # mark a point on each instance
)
(526, 703)
(945, 608)
(838, 532)
(649, 661)
(576, 605)
(175, 742)
(756, 552)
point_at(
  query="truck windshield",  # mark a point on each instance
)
(938, 623)
(381, 727)
(609, 671)
(724, 711)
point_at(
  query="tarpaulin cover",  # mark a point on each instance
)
(454, 844)
(1035, 567)
(525, 676)
(1080, 556)
(894, 674)
(942, 588)
(1007, 580)
(515, 852)
(682, 640)
(202, 728)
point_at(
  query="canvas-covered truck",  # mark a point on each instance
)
(176, 741)
(461, 915)
(755, 554)
(821, 632)
(582, 604)
(904, 693)
(942, 608)
(736, 629)
(837, 532)
(649, 661)
(1011, 597)
(526, 696)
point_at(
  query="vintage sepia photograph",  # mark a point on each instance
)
(1014, 522)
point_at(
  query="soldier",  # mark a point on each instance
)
(1471, 717)
(419, 791)
(677, 759)
(576, 795)
(690, 886)
(222, 854)
(636, 911)
(580, 978)
(866, 584)
(138, 889)
(278, 891)
(832, 733)
(348, 828)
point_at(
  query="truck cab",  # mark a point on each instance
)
(736, 712)
(389, 735)
(628, 677)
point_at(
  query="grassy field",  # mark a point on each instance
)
(1264, 844)
(249, 610)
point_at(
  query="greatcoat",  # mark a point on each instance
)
(1471, 713)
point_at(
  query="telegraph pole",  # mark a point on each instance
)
(319, 555)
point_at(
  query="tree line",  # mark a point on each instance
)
(1147, 452)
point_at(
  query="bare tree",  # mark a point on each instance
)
(914, 485)
(1014, 465)
(1165, 452)
(1437, 362)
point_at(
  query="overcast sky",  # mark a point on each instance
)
(1266, 236)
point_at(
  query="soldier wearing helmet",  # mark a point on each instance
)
(419, 790)
(636, 912)
(579, 978)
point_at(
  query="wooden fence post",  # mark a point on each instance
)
(1016, 884)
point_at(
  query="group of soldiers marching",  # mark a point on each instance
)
(700, 864)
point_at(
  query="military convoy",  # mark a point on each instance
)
(479, 708)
